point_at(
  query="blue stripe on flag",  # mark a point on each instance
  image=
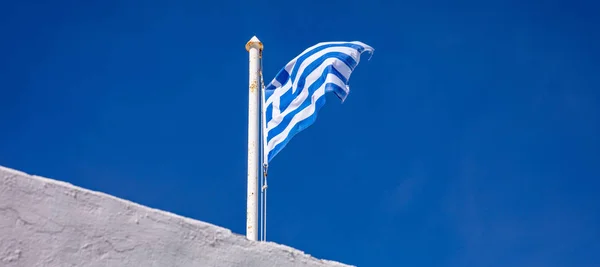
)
(269, 113)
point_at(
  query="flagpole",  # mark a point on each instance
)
(254, 48)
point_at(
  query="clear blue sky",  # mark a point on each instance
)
(471, 138)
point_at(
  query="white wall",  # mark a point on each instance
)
(45, 222)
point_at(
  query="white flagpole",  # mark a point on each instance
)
(254, 48)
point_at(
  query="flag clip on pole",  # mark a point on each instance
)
(254, 48)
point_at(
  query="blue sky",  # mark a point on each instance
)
(469, 139)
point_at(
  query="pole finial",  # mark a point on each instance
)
(254, 42)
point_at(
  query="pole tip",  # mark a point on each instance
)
(254, 42)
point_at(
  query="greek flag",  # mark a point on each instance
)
(293, 98)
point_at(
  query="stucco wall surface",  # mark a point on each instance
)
(45, 222)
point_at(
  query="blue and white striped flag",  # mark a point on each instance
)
(293, 98)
